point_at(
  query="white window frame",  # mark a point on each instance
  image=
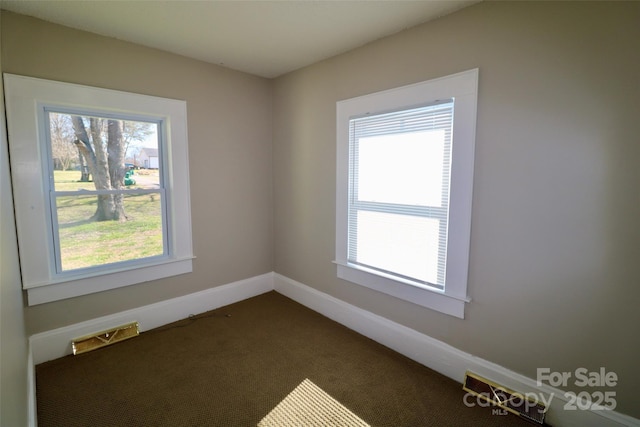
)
(463, 88)
(26, 100)
(50, 190)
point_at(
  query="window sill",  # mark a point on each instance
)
(425, 297)
(40, 294)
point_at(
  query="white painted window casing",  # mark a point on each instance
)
(369, 118)
(27, 99)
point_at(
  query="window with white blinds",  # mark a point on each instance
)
(404, 190)
(399, 192)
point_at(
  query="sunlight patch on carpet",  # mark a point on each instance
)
(309, 406)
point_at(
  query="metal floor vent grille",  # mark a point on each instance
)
(104, 338)
(514, 402)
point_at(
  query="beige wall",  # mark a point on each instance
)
(229, 125)
(13, 343)
(555, 239)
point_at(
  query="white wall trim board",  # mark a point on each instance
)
(56, 343)
(32, 417)
(426, 350)
(440, 356)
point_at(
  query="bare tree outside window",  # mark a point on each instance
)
(65, 154)
(97, 181)
(98, 148)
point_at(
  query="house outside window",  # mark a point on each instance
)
(148, 158)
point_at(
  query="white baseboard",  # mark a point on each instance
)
(428, 351)
(56, 343)
(32, 420)
(442, 357)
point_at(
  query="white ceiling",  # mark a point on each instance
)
(265, 38)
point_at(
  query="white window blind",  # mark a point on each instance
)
(399, 176)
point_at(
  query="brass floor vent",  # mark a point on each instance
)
(105, 338)
(514, 402)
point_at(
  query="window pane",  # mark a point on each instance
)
(402, 168)
(401, 244)
(86, 242)
(100, 153)
(110, 157)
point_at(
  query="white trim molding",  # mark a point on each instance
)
(442, 357)
(428, 351)
(28, 100)
(452, 298)
(56, 343)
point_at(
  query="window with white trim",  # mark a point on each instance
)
(91, 215)
(404, 187)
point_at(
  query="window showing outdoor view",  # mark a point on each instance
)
(106, 190)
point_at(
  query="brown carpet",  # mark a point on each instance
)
(233, 366)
